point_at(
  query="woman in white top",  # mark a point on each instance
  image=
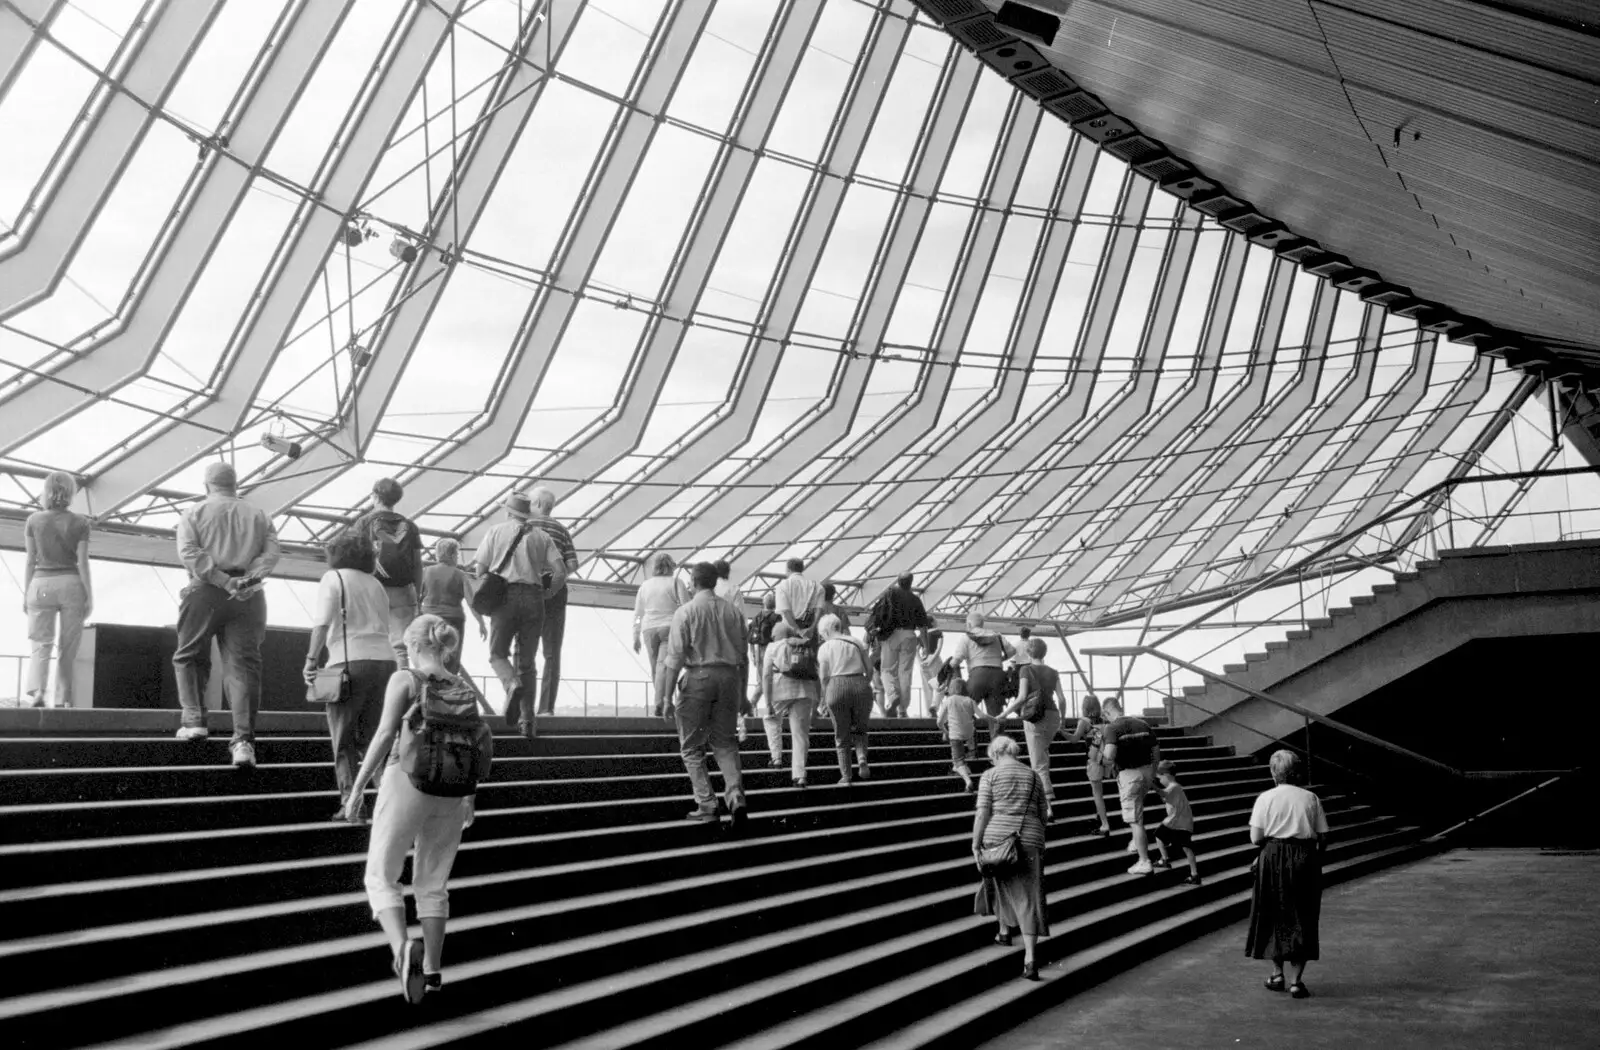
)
(844, 669)
(1289, 826)
(351, 624)
(657, 599)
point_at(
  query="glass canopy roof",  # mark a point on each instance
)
(737, 279)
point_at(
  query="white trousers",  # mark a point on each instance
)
(404, 819)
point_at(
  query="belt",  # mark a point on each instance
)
(852, 674)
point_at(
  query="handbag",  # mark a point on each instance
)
(332, 685)
(491, 592)
(999, 859)
(1032, 708)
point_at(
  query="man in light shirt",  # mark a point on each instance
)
(798, 600)
(533, 570)
(229, 546)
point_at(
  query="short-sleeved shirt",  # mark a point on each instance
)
(1289, 812)
(1046, 680)
(981, 650)
(536, 554)
(444, 588)
(365, 619)
(56, 535)
(1179, 815)
(561, 537)
(798, 596)
(783, 690)
(841, 656)
(656, 600)
(1011, 791)
(1135, 742)
(958, 714)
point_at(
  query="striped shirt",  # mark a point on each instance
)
(562, 538)
(1011, 792)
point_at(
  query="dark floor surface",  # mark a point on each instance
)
(1467, 950)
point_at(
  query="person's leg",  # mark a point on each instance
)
(1097, 792)
(371, 684)
(1297, 971)
(1038, 736)
(42, 612)
(438, 839)
(504, 623)
(693, 715)
(341, 719)
(860, 715)
(530, 629)
(1161, 846)
(1029, 943)
(800, 731)
(198, 607)
(889, 660)
(402, 610)
(1194, 862)
(73, 600)
(243, 628)
(725, 704)
(905, 665)
(773, 724)
(553, 632)
(654, 640)
(394, 826)
(838, 711)
(1134, 784)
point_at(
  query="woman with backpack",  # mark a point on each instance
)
(1038, 690)
(1089, 731)
(430, 720)
(843, 668)
(789, 696)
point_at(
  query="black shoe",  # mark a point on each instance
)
(1161, 862)
(703, 816)
(432, 982)
(740, 814)
(798, 784)
(1275, 983)
(1192, 880)
(1298, 990)
(1003, 939)
(776, 763)
(1030, 971)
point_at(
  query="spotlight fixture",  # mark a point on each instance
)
(360, 356)
(403, 250)
(281, 445)
(352, 235)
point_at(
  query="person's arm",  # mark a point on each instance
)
(321, 623)
(638, 619)
(29, 557)
(1024, 688)
(319, 641)
(1007, 650)
(1080, 731)
(83, 574)
(395, 701)
(195, 557)
(416, 556)
(672, 662)
(1108, 753)
(263, 563)
(980, 819)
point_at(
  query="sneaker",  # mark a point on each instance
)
(777, 763)
(244, 755)
(193, 733)
(1192, 880)
(862, 772)
(408, 967)
(704, 816)
(1141, 868)
(1162, 862)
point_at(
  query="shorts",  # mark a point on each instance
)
(1132, 786)
(1177, 838)
(960, 751)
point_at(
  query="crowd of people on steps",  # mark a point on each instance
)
(384, 661)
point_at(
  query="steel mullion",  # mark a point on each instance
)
(1239, 407)
(633, 502)
(123, 355)
(300, 262)
(16, 45)
(874, 311)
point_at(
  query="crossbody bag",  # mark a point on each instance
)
(332, 685)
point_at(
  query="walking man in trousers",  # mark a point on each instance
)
(229, 546)
(707, 644)
(555, 600)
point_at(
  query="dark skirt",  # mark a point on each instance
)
(1287, 902)
(1018, 897)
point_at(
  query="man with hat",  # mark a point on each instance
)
(229, 546)
(532, 567)
(898, 623)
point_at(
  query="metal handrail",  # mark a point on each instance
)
(1349, 534)
(1502, 805)
(1304, 712)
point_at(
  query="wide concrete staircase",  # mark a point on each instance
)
(152, 896)
(1527, 590)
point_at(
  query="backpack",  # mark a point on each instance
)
(395, 542)
(799, 658)
(445, 745)
(877, 623)
(761, 625)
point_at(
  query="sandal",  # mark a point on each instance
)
(1298, 990)
(1275, 983)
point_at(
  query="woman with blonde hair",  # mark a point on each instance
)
(844, 671)
(408, 820)
(653, 605)
(1289, 825)
(57, 587)
(1090, 731)
(446, 589)
(1010, 802)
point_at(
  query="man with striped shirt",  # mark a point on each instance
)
(555, 603)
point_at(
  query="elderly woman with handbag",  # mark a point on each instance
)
(350, 622)
(1008, 844)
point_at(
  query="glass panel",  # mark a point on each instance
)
(607, 43)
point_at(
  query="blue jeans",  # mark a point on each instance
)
(552, 634)
(707, 714)
(206, 611)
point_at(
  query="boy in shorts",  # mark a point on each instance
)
(958, 718)
(1177, 830)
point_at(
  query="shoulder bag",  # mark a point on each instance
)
(1032, 708)
(491, 592)
(331, 685)
(1000, 859)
